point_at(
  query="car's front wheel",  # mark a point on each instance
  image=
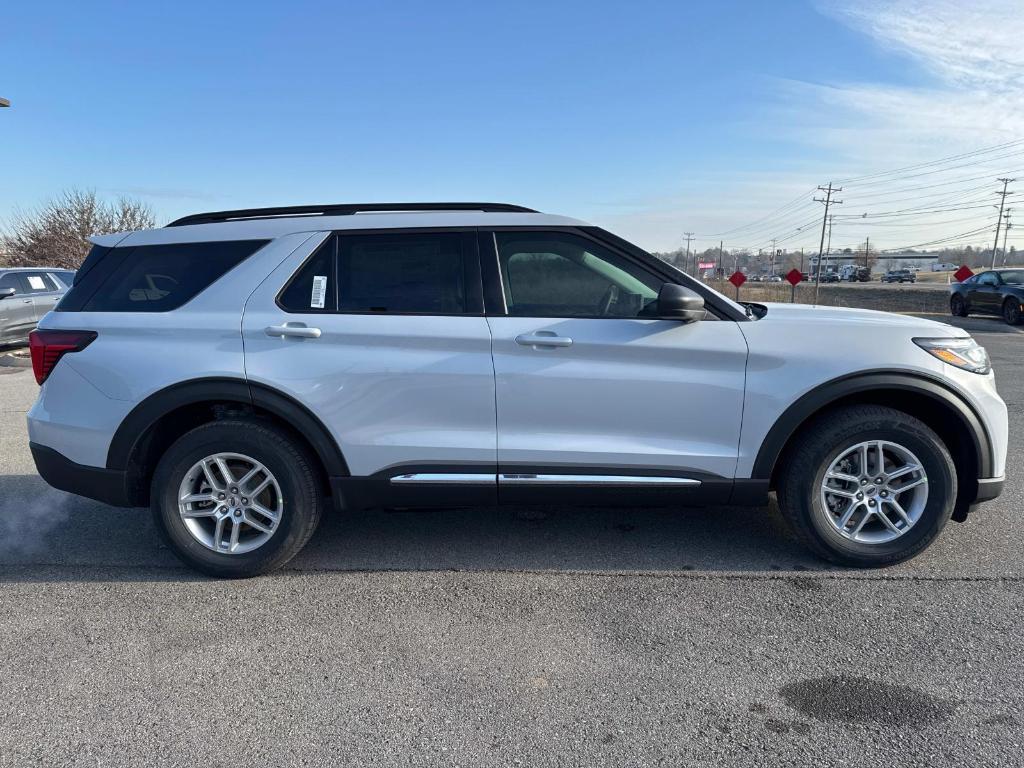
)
(1011, 311)
(957, 306)
(867, 486)
(236, 498)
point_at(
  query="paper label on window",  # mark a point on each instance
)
(36, 282)
(316, 301)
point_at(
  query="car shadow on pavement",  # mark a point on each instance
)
(44, 532)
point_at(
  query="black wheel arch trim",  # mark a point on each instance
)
(143, 416)
(831, 391)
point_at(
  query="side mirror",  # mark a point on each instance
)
(6, 293)
(677, 302)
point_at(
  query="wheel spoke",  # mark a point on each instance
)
(880, 466)
(898, 508)
(904, 470)
(262, 486)
(843, 477)
(195, 498)
(886, 521)
(208, 473)
(912, 484)
(864, 459)
(267, 513)
(244, 480)
(191, 514)
(252, 520)
(841, 492)
(223, 467)
(845, 519)
(218, 533)
(868, 514)
(236, 527)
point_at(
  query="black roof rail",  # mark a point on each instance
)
(344, 209)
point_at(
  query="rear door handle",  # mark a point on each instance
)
(543, 339)
(292, 329)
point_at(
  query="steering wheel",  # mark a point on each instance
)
(610, 297)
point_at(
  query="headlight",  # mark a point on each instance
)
(964, 353)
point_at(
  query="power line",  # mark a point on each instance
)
(940, 161)
(828, 201)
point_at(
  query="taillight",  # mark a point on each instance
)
(47, 347)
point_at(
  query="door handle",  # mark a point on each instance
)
(293, 330)
(543, 339)
(26, 301)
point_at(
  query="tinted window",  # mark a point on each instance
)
(988, 278)
(66, 276)
(421, 274)
(562, 275)
(10, 280)
(1013, 276)
(39, 282)
(158, 278)
(313, 289)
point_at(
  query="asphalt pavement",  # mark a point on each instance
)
(528, 636)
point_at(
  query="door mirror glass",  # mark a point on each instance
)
(6, 293)
(677, 302)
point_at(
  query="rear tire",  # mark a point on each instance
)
(817, 515)
(957, 306)
(272, 526)
(1011, 311)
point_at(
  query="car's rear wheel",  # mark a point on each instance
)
(867, 486)
(236, 498)
(1011, 311)
(957, 306)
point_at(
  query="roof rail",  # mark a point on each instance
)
(344, 209)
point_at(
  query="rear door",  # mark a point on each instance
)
(45, 292)
(591, 392)
(17, 312)
(381, 335)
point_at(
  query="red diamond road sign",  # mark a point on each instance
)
(737, 278)
(794, 276)
(963, 273)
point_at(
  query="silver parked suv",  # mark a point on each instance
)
(241, 371)
(26, 294)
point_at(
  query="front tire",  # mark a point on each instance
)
(1011, 312)
(236, 498)
(867, 486)
(957, 306)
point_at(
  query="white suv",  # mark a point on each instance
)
(241, 371)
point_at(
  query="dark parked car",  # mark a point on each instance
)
(996, 292)
(899, 276)
(26, 294)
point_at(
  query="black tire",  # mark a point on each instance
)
(808, 460)
(957, 306)
(1011, 311)
(292, 466)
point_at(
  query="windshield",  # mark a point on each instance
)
(1013, 276)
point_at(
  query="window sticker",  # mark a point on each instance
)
(316, 300)
(36, 282)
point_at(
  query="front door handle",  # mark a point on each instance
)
(292, 329)
(543, 339)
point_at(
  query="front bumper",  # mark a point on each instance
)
(106, 485)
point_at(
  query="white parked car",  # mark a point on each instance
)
(242, 372)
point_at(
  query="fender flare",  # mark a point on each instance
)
(157, 405)
(836, 389)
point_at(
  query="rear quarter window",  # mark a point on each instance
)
(157, 278)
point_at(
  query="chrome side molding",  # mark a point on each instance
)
(444, 478)
(584, 480)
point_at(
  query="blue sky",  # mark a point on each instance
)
(648, 117)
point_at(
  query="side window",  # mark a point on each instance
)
(39, 282)
(65, 276)
(418, 274)
(988, 278)
(159, 278)
(10, 280)
(555, 274)
(314, 287)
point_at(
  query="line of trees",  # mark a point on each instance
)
(57, 233)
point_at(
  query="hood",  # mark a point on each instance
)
(866, 318)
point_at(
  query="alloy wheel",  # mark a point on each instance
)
(230, 503)
(874, 492)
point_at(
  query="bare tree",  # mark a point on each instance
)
(56, 234)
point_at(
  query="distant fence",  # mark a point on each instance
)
(891, 298)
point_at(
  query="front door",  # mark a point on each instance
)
(984, 294)
(382, 337)
(594, 393)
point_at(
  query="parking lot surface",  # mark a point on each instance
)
(527, 636)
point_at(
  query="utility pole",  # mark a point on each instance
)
(771, 261)
(686, 261)
(1002, 203)
(828, 201)
(867, 250)
(1006, 232)
(720, 269)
